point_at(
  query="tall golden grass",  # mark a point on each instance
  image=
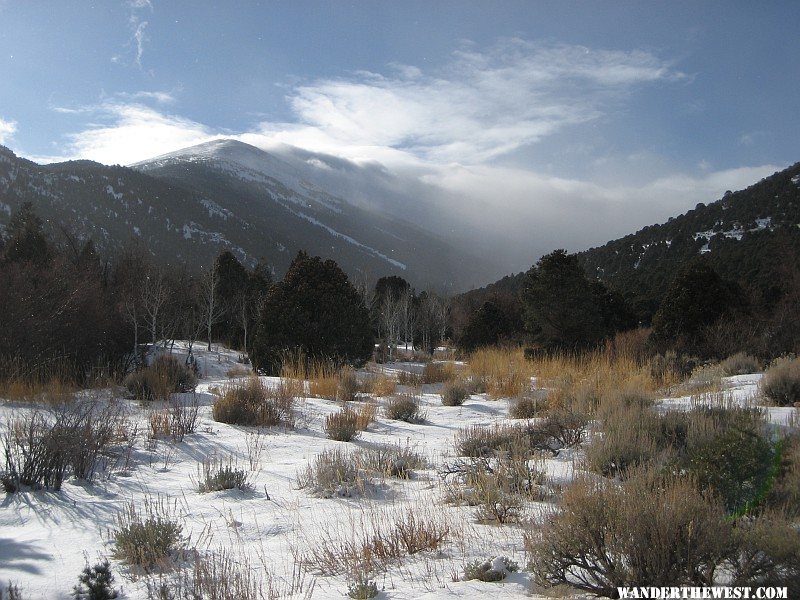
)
(503, 372)
(583, 377)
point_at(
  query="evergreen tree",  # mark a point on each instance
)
(488, 325)
(26, 242)
(315, 310)
(696, 298)
(559, 304)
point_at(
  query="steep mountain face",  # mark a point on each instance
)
(751, 236)
(189, 205)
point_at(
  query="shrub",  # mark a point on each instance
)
(390, 460)
(630, 439)
(566, 427)
(740, 364)
(438, 372)
(362, 590)
(733, 458)
(662, 531)
(40, 449)
(255, 404)
(410, 379)
(496, 569)
(216, 476)
(781, 382)
(526, 407)
(365, 415)
(768, 551)
(488, 440)
(342, 426)
(165, 376)
(96, 583)
(380, 385)
(454, 393)
(347, 388)
(333, 473)
(404, 407)
(149, 539)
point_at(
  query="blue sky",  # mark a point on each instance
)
(633, 109)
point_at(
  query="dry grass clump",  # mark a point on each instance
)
(407, 378)
(740, 363)
(581, 381)
(438, 372)
(529, 406)
(216, 576)
(652, 529)
(378, 542)
(215, 475)
(704, 378)
(150, 538)
(404, 407)
(51, 382)
(781, 382)
(334, 473)
(379, 384)
(347, 387)
(502, 372)
(254, 403)
(342, 426)
(390, 460)
(488, 440)
(167, 375)
(454, 393)
(176, 420)
(365, 415)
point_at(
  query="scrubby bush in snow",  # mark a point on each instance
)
(254, 403)
(216, 475)
(781, 382)
(404, 407)
(740, 364)
(454, 393)
(167, 375)
(150, 538)
(496, 569)
(342, 426)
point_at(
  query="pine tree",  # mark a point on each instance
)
(315, 310)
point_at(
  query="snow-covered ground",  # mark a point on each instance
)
(46, 538)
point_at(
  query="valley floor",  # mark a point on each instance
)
(46, 538)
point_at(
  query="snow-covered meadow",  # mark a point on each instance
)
(46, 538)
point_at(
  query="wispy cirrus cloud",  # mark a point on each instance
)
(481, 105)
(138, 31)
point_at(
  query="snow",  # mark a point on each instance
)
(47, 537)
(349, 239)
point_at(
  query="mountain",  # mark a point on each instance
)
(191, 204)
(751, 236)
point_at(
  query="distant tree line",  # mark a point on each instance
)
(65, 308)
(555, 306)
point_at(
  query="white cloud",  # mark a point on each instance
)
(479, 106)
(140, 38)
(7, 130)
(134, 132)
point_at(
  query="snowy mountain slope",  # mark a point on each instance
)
(190, 205)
